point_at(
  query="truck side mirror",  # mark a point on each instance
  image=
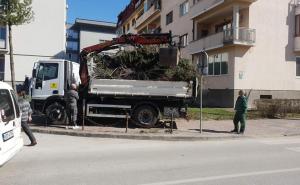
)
(34, 73)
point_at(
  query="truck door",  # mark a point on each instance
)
(47, 81)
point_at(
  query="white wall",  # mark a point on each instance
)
(89, 38)
(43, 38)
(270, 64)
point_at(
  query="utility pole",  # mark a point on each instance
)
(202, 65)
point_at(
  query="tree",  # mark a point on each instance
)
(15, 12)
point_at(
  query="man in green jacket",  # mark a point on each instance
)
(240, 113)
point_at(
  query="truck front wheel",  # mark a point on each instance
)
(56, 113)
(145, 116)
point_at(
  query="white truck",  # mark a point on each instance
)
(144, 102)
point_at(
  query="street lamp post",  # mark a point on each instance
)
(202, 69)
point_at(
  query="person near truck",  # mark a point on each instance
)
(71, 98)
(240, 113)
(26, 112)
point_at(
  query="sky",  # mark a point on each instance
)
(102, 10)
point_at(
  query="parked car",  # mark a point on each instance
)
(10, 124)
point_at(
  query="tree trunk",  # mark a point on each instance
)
(11, 53)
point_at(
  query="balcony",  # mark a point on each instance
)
(240, 36)
(237, 37)
(152, 12)
(203, 6)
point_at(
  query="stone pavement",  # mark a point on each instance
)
(187, 130)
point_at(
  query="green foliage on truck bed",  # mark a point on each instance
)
(141, 64)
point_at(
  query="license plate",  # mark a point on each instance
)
(7, 135)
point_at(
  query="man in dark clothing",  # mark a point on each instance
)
(71, 98)
(240, 113)
(26, 112)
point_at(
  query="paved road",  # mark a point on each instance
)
(65, 160)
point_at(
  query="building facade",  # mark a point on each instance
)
(251, 44)
(84, 33)
(159, 16)
(43, 38)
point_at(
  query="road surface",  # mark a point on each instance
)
(66, 160)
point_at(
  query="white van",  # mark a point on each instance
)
(10, 124)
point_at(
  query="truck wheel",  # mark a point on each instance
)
(145, 116)
(56, 113)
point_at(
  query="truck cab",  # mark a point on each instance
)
(10, 124)
(50, 80)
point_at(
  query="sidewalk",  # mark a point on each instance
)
(187, 130)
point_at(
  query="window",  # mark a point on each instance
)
(46, 71)
(183, 40)
(6, 106)
(2, 67)
(3, 33)
(297, 26)
(72, 34)
(133, 22)
(298, 66)
(184, 8)
(2, 37)
(218, 64)
(72, 45)
(128, 27)
(16, 103)
(222, 27)
(169, 18)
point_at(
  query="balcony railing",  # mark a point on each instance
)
(240, 35)
(154, 9)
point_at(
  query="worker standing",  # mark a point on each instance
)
(26, 112)
(71, 97)
(240, 113)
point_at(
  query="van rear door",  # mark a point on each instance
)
(10, 127)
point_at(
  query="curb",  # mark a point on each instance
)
(137, 137)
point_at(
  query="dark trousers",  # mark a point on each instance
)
(28, 132)
(239, 117)
(72, 115)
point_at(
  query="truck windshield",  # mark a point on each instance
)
(6, 106)
(46, 71)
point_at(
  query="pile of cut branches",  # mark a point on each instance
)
(140, 64)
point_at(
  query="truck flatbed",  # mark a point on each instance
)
(114, 87)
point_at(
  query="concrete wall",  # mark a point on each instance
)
(43, 38)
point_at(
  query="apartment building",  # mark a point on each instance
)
(158, 16)
(252, 45)
(43, 38)
(84, 33)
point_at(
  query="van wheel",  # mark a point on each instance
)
(145, 116)
(56, 113)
